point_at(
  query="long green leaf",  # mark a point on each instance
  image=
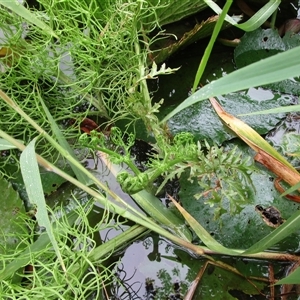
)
(290, 226)
(5, 145)
(19, 9)
(276, 68)
(283, 109)
(32, 180)
(210, 45)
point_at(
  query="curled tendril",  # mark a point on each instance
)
(93, 141)
(119, 140)
(116, 136)
(132, 184)
(84, 139)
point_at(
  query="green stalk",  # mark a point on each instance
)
(273, 19)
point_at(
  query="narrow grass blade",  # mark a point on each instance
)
(63, 142)
(291, 189)
(153, 206)
(284, 230)
(19, 9)
(283, 109)
(210, 45)
(275, 68)
(34, 189)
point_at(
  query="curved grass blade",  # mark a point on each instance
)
(293, 278)
(32, 180)
(205, 237)
(19, 9)
(26, 256)
(275, 68)
(255, 21)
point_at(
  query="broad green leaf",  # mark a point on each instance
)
(276, 68)
(203, 123)
(291, 40)
(257, 45)
(12, 227)
(293, 278)
(220, 283)
(284, 230)
(32, 180)
(19, 9)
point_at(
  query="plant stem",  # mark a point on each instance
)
(273, 19)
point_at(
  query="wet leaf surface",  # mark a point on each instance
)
(202, 121)
(256, 45)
